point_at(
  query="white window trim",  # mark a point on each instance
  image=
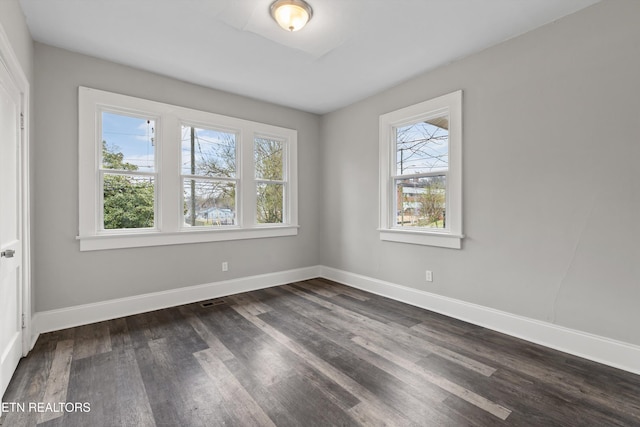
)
(168, 228)
(452, 236)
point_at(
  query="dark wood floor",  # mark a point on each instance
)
(311, 353)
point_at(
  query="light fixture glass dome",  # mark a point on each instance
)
(291, 15)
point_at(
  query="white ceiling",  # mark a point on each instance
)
(349, 50)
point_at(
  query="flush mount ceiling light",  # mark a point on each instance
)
(291, 15)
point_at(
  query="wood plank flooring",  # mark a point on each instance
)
(313, 353)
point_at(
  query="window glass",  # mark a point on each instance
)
(128, 201)
(212, 201)
(421, 202)
(270, 203)
(268, 156)
(422, 147)
(128, 143)
(208, 152)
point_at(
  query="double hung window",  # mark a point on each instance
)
(127, 173)
(269, 155)
(209, 177)
(421, 173)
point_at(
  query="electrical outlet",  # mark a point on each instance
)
(225, 266)
(429, 276)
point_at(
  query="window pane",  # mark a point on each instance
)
(128, 143)
(128, 201)
(421, 202)
(268, 155)
(214, 203)
(208, 152)
(270, 202)
(423, 147)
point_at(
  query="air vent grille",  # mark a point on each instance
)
(212, 303)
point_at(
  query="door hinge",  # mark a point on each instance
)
(23, 325)
(21, 121)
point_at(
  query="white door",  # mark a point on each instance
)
(11, 249)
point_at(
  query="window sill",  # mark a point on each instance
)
(442, 240)
(156, 238)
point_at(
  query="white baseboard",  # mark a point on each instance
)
(599, 349)
(54, 320)
(603, 350)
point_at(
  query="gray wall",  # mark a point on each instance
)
(551, 177)
(68, 277)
